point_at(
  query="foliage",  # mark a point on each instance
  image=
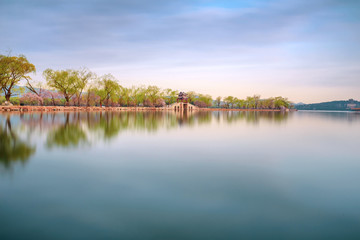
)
(15, 101)
(65, 81)
(12, 148)
(191, 96)
(31, 99)
(12, 70)
(153, 93)
(108, 89)
(170, 96)
(159, 102)
(218, 101)
(203, 101)
(83, 88)
(254, 102)
(84, 76)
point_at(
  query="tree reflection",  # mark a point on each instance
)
(70, 134)
(12, 148)
(72, 129)
(255, 117)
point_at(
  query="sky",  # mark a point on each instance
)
(306, 50)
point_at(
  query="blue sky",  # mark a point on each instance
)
(308, 51)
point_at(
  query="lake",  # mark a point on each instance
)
(164, 175)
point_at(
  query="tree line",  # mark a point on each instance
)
(81, 87)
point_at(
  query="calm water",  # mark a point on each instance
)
(211, 175)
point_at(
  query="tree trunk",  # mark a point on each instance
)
(67, 103)
(7, 96)
(79, 99)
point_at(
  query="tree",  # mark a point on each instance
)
(108, 89)
(52, 96)
(229, 100)
(191, 96)
(280, 102)
(65, 81)
(204, 100)
(138, 95)
(218, 101)
(91, 97)
(256, 101)
(84, 76)
(170, 96)
(36, 88)
(240, 103)
(153, 93)
(268, 103)
(125, 96)
(31, 99)
(12, 70)
(250, 102)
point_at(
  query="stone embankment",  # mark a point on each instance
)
(74, 109)
(92, 109)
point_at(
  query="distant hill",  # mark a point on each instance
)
(300, 103)
(17, 93)
(333, 106)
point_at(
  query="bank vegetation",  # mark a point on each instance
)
(81, 87)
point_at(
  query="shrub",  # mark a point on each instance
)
(160, 102)
(15, 101)
(31, 99)
(148, 103)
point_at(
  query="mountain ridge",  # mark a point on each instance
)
(338, 105)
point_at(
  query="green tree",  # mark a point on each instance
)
(12, 70)
(125, 95)
(229, 100)
(170, 96)
(256, 101)
(240, 103)
(153, 93)
(84, 76)
(91, 96)
(191, 97)
(250, 102)
(108, 89)
(138, 95)
(65, 81)
(218, 101)
(205, 99)
(280, 102)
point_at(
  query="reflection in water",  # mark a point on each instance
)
(254, 117)
(12, 148)
(71, 129)
(69, 134)
(332, 115)
(167, 175)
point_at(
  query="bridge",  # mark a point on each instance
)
(181, 106)
(182, 103)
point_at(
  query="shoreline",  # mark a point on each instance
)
(117, 109)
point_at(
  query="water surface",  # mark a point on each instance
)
(157, 175)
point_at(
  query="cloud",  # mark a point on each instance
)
(291, 38)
